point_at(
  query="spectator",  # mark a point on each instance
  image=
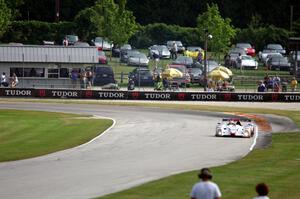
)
(156, 59)
(74, 77)
(269, 83)
(199, 56)
(262, 191)
(205, 189)
(294, 84)
(174, 50)
(14, 80)
(239, 61)
(89, 77)
(4, 80)
(276, 83)
(261, 87)
(165, 83)
(65, 42)
(211, 85)
(266, 79)
(83, 79)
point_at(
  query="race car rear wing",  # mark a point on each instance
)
(236, 119)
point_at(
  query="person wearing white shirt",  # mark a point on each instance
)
(205, 189)
(4, 80)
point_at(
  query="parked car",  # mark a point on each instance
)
(137, 59)
(183, 81)
(142, 77)
(102, 57)
(81, 44)
(117, 51)
(247, 47)
(231, 57)
(160, 50)
(195, 75)
(103, 75)
(102, 43)
(249, 62)
(72, 39)
(180, 47)
(184, 60)
(277, 47)
(269, 56)
(125, 54)
(262, 55)
(279, 63)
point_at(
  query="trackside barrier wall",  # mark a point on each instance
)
(143, 95)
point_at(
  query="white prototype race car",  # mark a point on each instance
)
(236, 128)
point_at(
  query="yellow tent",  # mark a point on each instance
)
(224, 69)
(218, 75)
(171, 73)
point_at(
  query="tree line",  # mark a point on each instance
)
(120, 21)
(175, 12)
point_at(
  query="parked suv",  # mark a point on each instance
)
(103, 74)
(72, 39)
(142, 77)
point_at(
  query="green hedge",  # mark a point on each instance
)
(34, 32)
(160, 33)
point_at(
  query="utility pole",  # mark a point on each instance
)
(205, 59)
(57, 5)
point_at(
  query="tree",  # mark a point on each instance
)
(221, 29)
(88, 24)
(111, 21)
(5, 17)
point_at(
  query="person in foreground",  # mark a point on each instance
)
(262, 191)
(205, 189)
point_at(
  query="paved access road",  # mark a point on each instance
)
(145, 144)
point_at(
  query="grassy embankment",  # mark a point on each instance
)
(26, 134)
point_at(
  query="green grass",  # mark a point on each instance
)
(277, 165)
(26, 134)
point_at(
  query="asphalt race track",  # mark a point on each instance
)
(145, 144)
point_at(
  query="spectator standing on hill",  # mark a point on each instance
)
(239, 62)
(262, 191)
(205, 189)
(174, 50)
(294, 84)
